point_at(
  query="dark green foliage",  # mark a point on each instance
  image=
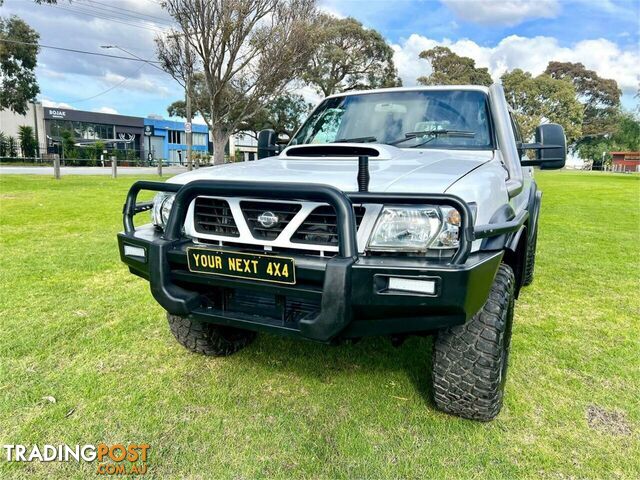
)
(625, 138)
(284, 115)
(28, 142)
(452, 69)
(3, 144)
(349, 57)
(18, 85)
(543, 98)
(600, 97)
(11, 147)
(69, 149)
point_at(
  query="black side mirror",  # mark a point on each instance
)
(554, 155)
(267, 146)
(550, 147)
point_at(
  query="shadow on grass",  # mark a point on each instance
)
(371, 356)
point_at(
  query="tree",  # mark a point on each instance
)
(12, 147)
(348, 57)
(597, 148)
(287, 112)
(627, 136)
(3, 144)
(18, 85)
(452, 69)
(242, 53)
(284, 115)
(600, 97)
(68, 144)
(540, 99)
(28, 143)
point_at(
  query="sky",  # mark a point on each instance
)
(499, 34)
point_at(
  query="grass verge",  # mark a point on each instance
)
(78, 327)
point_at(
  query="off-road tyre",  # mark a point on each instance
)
(470, 361)
(208, 339)
(530, 261)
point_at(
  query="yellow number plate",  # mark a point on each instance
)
(251, 266)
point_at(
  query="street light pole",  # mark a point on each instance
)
(188, 108)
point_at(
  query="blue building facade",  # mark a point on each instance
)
(169, 141)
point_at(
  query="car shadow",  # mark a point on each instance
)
(326, 363)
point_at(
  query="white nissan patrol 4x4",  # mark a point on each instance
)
(390, 212)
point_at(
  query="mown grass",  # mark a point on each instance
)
(75, 325)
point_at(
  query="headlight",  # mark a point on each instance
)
(449, 236)
(162, 204)
(416, 229)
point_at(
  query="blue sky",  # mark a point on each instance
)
(498, 34)
(487, 22)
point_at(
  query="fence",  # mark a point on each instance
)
(54, 156)
(110, 166)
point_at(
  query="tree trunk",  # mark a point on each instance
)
(220, 139)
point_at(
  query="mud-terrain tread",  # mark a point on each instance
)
(469, 361)
(208, 339)
(530, 262)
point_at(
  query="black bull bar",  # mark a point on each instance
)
(335, 308)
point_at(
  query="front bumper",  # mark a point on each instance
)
(340, 297)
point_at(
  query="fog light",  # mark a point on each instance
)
(131, 251)
(427, 287)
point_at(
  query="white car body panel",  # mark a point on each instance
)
(465, 173)
(479, 177)
(419, 171)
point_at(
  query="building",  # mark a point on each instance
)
(116, 132)
(244, 146)
(122, 136)
(168, 141)
(625, 161)
(10, 123)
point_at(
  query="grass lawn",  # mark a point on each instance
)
(78, 327)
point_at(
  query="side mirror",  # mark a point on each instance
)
(267, 140)
(550, 146)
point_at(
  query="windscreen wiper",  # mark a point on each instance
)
(356, 140)
(433, 134)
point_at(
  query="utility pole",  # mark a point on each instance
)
(188, 105)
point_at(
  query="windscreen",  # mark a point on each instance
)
(407, 119)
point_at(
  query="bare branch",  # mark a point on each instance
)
(244, 53)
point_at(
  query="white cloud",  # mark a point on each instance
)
(530, 54)
(47, 72)
(142, 83)
(309, 94)
(502, 12)
(51, 104)
(332, 8)
(107, 110)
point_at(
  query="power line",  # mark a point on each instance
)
(80, 51)
(135, 14)
(108, 14)
(133, 55)
(107, 90)
(104, 17)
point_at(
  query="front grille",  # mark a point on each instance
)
(213, 216)
(320, 227)
(283, 211)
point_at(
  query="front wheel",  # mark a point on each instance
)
(207, 338)
(470, 361)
